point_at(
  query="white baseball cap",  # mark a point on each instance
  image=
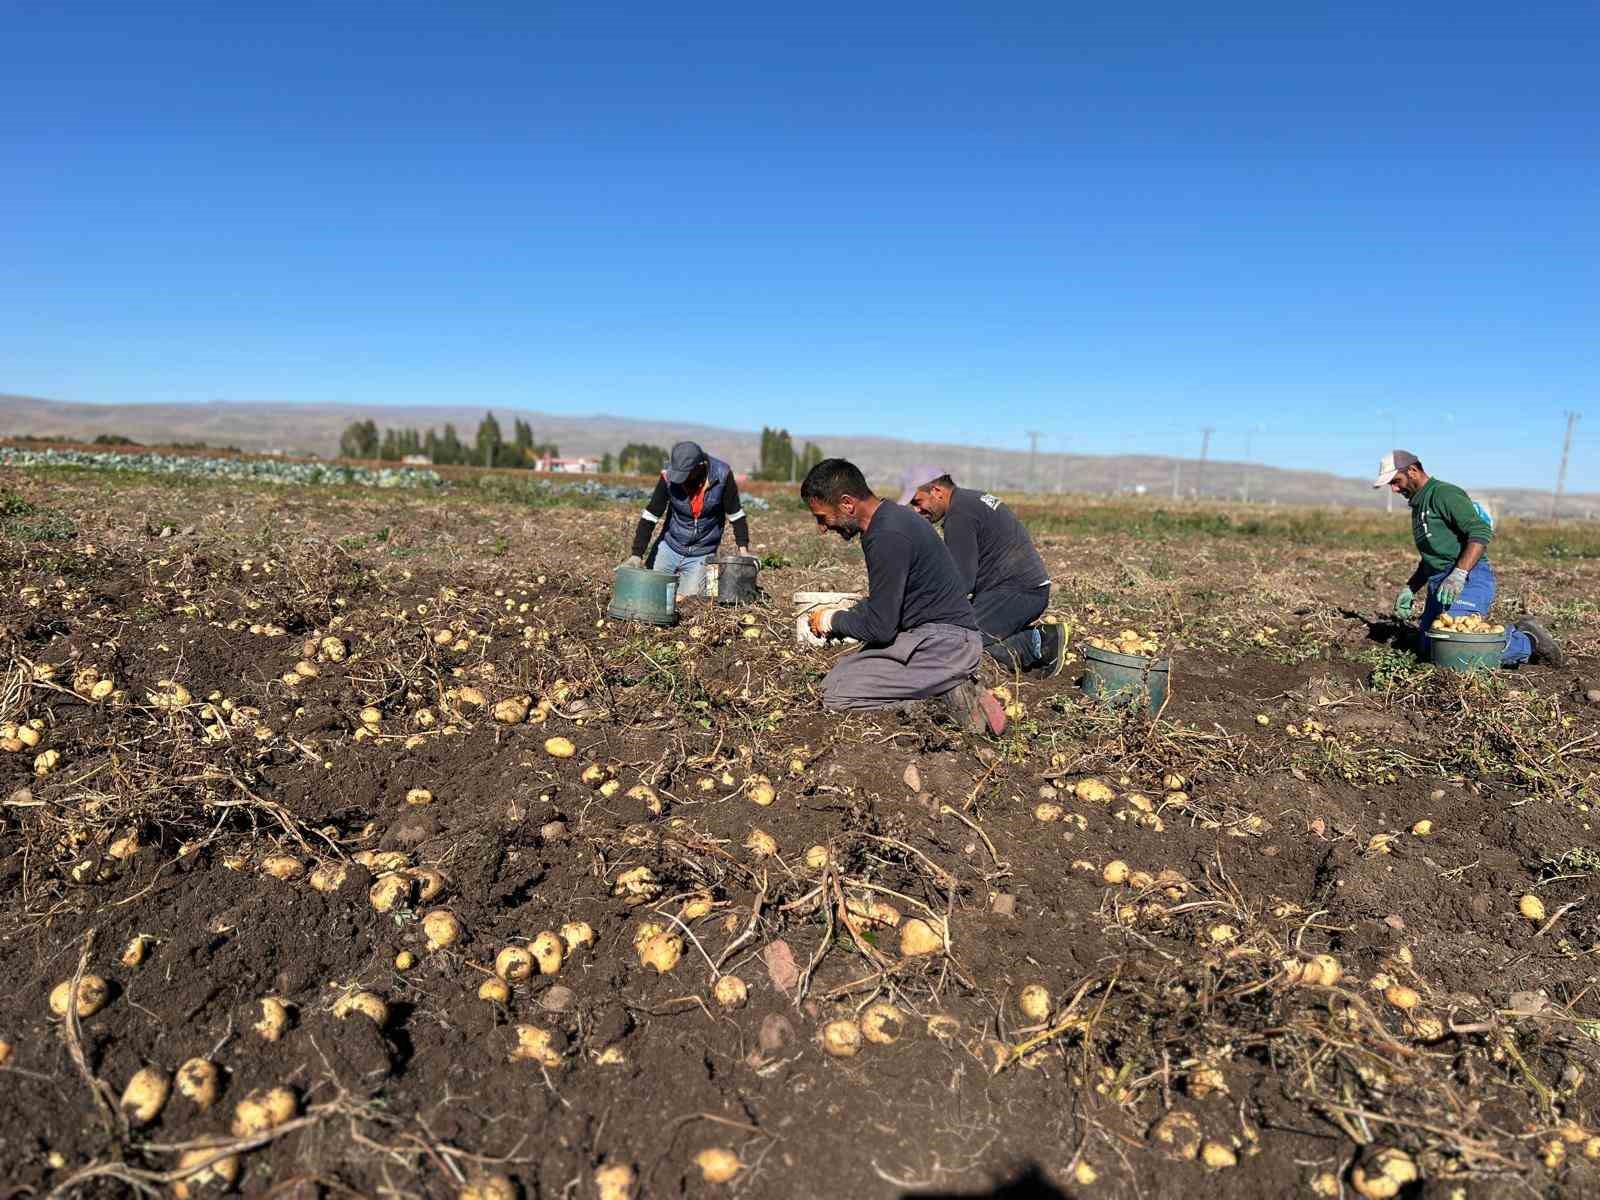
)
(1393, 463)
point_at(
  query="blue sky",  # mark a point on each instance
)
(931, 221)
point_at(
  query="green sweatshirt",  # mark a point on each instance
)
(1443, 521)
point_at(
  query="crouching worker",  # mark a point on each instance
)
(1001, 570)
(1452, 536)
(694, 496)
(919, 637)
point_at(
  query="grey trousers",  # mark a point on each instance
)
(920, 663)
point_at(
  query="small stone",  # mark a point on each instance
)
(1592, 695)
(558, 999)
(1004, 905)
(553, 831)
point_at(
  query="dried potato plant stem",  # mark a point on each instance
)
(103, 1097)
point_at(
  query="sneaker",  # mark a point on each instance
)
(1545, 647)
(1052, 650)
(975, 709)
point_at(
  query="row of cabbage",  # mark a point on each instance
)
(263, 470)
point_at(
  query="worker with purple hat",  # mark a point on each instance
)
(1452, 536)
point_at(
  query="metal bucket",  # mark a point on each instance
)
(1125, 679)
(736, 578)
(638, 594)
(1456, 651)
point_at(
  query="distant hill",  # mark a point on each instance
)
(314, 430)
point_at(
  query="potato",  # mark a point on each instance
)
(102, 689)
(441, 929)
(1084, 1174)
(419, 797)
(494, 990)
(696, 906)
(1217, 1156)
(1221, 934)
(169, 695)
(761, 843)
(200, 1083)
(1203, 1081)
(5, 1052)
(1034, 1001)
(146, 1095)
(730, 992)
(489, 1187)
(882, 1023)
(841, 1038)
(514, 963)
(538, 1045)
(1428, 1029)
(760, 790)
(1116, 872)
(133, 952)
(328, 877)
(390, 892)
(646, 795)
(615, 1181)
(263, 1110)
(818, 857)
(1402, 997)
(918, 937)
(89, 999)
(371, 716)
(274, 1019)
(404, 961)
(559, 747)
(1384, 1174)
(1093, 791)
(662, 952)
(46, 762)
(575, 934)
(718, 1165)
(511, 711)
(283, 866)
(546, 950)
(366, 1004)
(209, 1170)
(1422, 828)
(1531, 907)
(637, 886)
(1045, 811)
(429, 883)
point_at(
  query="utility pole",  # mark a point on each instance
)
(1033, 457)
(1200, 472)
(1249, 467)
(1561, 475)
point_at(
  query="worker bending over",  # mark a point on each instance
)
(1000, 570)
(695, 495)
(919, 636)
(1452, 536)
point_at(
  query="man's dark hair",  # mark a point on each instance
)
(832, 478)
(943, 481)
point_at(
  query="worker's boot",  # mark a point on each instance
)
(1545, 647)
(1052, 649)
(975, 709)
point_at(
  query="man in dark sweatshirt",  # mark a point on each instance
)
(1002, 572)
(919, 636)
(694, 496)
(1452, 535)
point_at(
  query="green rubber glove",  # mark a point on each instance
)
(1450, 587)
(1403, 602)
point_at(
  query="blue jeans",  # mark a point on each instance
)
(1476, 596)
(691, 572)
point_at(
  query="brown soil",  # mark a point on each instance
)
(1299, 845)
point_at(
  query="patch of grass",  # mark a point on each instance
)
(1393, 669)
(22, 519)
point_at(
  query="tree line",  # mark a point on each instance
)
(488, 448)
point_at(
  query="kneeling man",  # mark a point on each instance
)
(919, 636)
(1001, 571)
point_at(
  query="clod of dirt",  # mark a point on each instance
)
(412, 832)
(554, 831)
(776, 1033)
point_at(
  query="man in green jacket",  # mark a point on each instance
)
(1452, 536)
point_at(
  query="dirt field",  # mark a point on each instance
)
(1353, 929)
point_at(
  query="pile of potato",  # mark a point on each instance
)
(1469, 623)
(1129, 641)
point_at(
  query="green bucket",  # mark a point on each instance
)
(1456, 651)
(1125, 679)
(638, 594)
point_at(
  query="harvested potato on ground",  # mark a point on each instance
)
(615, 1181)
(718, 1165)
(495, 990)
(514, 963)
(1034, 1002)
(575, 934)
(918, 937)
(730, 992)
(146, 1095)
(1384, 1174)
(882, 1023)
(441, 929)
(210, 1170)
(662, 952)
(1093, 791)
(488, 1187)
(547, 952)
(559, 747)
(1531, 907)
(539, 1045)
(91, 996)
(841, 1038)
(264, 1110)
(366, 1004)
(274, 1019)
(199, 1082)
